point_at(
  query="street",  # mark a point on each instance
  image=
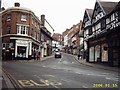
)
(60, 73)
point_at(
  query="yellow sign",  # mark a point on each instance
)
(11, 48)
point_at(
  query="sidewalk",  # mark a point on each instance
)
(96, 65)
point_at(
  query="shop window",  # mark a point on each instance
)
(7, 45)
(21, 51)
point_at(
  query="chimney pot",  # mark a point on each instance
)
(17, 4)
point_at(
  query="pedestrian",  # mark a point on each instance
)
(36, 56)
(78, 56)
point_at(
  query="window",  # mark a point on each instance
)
(32, 21)
(103, 24)
(90, 31)
(112, 17)
(42, 37)
(108, 20)
(87, 32)
(32, 33)
(3, 45)
(23, 18)
(7, 45)
(22, 29)
(8, 30)
(35, 34)
(21, 51)
(8, 17)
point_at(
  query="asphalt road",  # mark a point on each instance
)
(60, 73)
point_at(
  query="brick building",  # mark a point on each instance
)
(46, 37)
(65, 40)
(57, 42)
(20, 33)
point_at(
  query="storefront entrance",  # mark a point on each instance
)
(21, 52)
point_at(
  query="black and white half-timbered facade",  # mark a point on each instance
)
(87, 31)
(103, 39)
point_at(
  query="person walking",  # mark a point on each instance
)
(38, 55)
(78, 56)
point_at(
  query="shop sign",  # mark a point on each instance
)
(22, 42)
(11, 48)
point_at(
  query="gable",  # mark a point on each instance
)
(98, 12)
(86, 19)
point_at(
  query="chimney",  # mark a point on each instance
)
(42, 20)
(2, 9)
(17, 4)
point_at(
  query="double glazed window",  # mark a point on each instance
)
(22, 29)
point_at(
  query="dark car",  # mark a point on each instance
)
(57, 54)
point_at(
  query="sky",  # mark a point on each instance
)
(61, 14)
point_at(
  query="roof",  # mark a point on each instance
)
(108, 6)
(21, 9)
(90, 12)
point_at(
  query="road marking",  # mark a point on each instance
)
(43, 66)
(114, 79)
(51, 81)
(84, 87)
(95, 75)
(37, 84)
(31, 83)
(25, 83)
(49, 75)
(72, 62)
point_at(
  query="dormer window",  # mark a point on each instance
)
(23, 18)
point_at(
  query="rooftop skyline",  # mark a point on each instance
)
(61, 14)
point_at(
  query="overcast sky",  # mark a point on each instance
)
(61, 14)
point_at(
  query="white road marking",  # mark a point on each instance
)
(114, 79)
(49, 75)
(43, 66)
(95, 75)
(84, 87)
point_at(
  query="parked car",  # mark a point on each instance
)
(57, 53)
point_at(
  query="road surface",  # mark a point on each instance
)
(60, 73)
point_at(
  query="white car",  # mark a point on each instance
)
(57, 54)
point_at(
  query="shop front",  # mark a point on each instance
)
(21, 49)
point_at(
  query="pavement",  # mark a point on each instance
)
(6, 82)
(96, 65)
